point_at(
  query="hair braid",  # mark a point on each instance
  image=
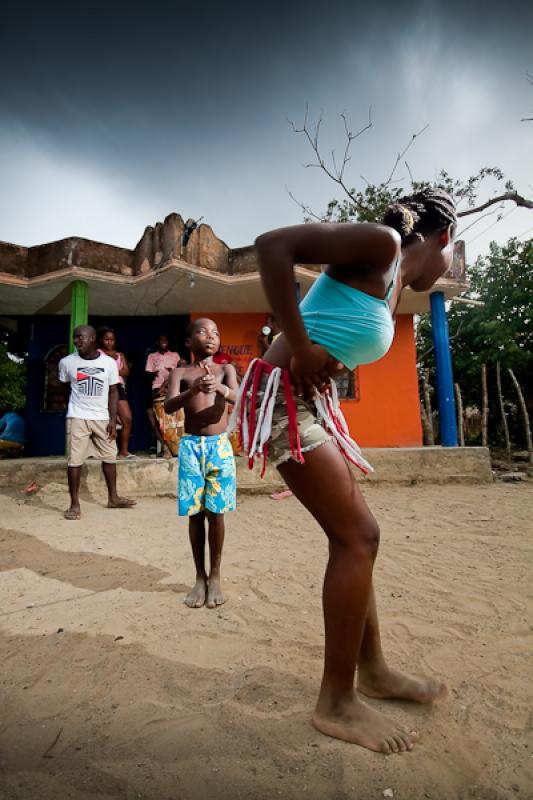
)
(413, 216)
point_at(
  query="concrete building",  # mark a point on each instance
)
(178, 272)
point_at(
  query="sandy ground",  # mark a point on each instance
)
(112, 688)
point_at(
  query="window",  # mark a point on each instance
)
(348, 385)
(53, 394)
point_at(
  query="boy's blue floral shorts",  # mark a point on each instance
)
(206, 475)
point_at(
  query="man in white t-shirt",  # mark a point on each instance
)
(91, 415)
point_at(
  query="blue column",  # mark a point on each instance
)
(443, 363)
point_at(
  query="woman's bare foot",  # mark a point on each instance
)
(196, 597)
(388, 684)
(355, 722)
(214, 592)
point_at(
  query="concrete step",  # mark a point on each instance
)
(144, 476)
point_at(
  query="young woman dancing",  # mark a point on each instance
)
(346, 319)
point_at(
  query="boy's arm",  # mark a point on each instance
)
(176, 399)
(229, 386)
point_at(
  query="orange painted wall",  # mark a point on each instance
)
(387, 411)
(238, 334)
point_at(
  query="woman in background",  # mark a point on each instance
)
(107, 344)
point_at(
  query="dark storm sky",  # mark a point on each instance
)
(113, 114)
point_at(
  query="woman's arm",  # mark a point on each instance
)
(124, 370)
(229, 389)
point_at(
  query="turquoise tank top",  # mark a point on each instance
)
(355, 327)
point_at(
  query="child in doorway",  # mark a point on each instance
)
(206, 467)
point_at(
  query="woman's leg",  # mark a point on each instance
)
(156, 430)
(376, 679)
(124, 412)
(327, 488)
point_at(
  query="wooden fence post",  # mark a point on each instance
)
(484, 407)
(525, 415)
(504, 417)
(460, 415)
(429, 412)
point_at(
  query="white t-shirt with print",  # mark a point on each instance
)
(90, 379)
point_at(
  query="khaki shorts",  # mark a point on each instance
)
(89, 437)
(312, 434)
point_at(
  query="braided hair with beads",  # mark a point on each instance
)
(427, 211)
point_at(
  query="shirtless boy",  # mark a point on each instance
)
(206, 467)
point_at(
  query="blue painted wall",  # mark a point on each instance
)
(136, 336)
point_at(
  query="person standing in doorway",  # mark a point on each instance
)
(160, 364)
(91, 416)
(107, 344)
(158, 368)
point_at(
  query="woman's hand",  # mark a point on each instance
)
(312, 368)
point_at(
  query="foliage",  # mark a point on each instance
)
(12, 381)
(499, 330)
(370, 203)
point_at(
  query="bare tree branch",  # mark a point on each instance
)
(483, 216)
(420, 359)
(514, 196)
(337, 174)
(304, 208)
(464, 192)
(410, 173)
(404, 151)
(350, 137)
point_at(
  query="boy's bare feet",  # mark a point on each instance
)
(355, 722)
(388, 684)
(73, 513)
(215, 596)
(121, 502)
(196, 597)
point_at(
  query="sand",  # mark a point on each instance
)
(112, 688)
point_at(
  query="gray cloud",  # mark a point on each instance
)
(113, 117)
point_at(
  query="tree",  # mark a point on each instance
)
(499, 330)
(369, 203)
(12, 381)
